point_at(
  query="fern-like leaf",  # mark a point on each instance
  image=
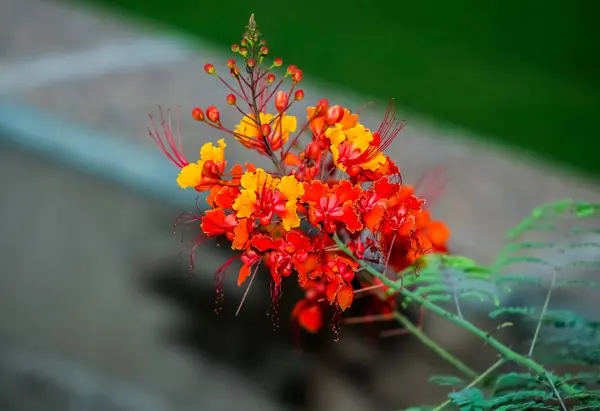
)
(551, 247)
(454, 279)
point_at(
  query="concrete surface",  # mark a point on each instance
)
(74, 247)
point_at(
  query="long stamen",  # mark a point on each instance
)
(247, 290)
(175, 149)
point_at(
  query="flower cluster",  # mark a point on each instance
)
(330, 177)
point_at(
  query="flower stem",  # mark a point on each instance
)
(508, 353)
(435, 347)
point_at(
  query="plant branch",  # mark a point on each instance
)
(435, 347)
(503, 349)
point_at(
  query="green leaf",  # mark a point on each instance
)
(446, 380)
(505, 262)
(527, 245)
(526, 311)
(517, 407)
(578, 283)
(469, 399)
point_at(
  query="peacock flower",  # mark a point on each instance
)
(207, 171)
(275, 129)
(264, 196)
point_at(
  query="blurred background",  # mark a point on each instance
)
(98, 310)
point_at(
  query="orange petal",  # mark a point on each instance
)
(373, 217)
(438, 233)
(240, 235)
(243, 275)
(331, 291)
(311, 318)
(345, 295)
(292, 159)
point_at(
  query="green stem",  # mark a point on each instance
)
(503, 349)
(476, 381)
(435, 347)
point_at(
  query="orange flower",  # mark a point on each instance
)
(330, 206)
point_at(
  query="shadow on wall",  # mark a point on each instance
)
(281, 359)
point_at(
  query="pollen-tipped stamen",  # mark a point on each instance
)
(175, 152)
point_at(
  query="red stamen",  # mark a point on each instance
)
(175, 151)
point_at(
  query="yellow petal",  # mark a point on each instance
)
(190, 175)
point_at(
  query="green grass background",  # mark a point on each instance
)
(526, 73)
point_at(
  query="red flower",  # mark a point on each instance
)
(333, 206)
(284, 254)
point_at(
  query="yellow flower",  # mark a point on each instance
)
(258, 180)
(353, 147)
(191, 174)
(245, 204)
(210, 152)
(249, 128)
(292, 189)
(252, 183)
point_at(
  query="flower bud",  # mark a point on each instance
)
(251, 63)
(278, 62)
(209, 68)
(348, 276)
(244, 42)
(313, 151)
(271, 78)
(297, 76)
(235, 72)
(263, 50)
(322, 107)
(291, 70)
(266, 130)
(210, 169)
(334, 115)
(198, 114)
(235, 48)
(231, 63)
(281, 100)
(298, 95)
(213, 114)
(231, 99)
(244, 51)
(263, 42)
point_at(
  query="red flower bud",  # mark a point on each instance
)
(291, 70)
(353, 171)
(348, 276)
(297, 76)
(313, 151)
(322, 107)
(266, 130)
(281, 100)
(263, 50)
(278, 62)
(263, 42)
(299, 95)
(271, 78)
(235, 48)
(235, 72)
(244, 42)
(231, 99)
(231, 63)
(213, 114)
(209, 68)
(244, 51)
(198, 114)
(334, 115)
(251, 63)
(210, 169)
